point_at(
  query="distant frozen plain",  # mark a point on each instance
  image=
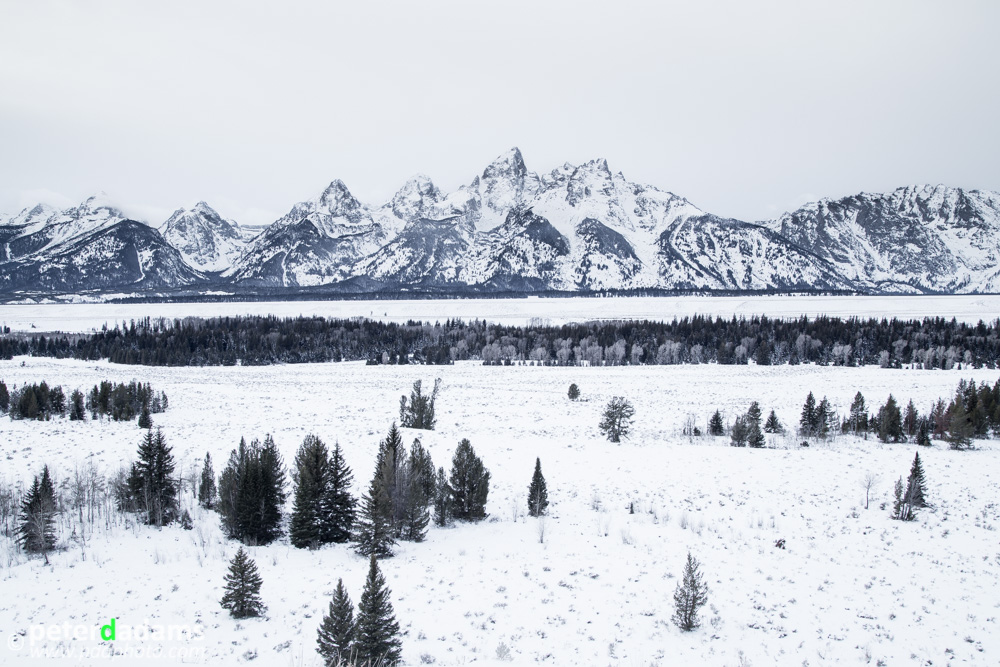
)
(851, 587)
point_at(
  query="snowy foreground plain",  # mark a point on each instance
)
(851, 587)
(91, 317)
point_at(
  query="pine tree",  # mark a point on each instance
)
(691, 594)
(808, 421)
(824, 417)
(36, 532)
(902, 507)
(421, 464)
(442, 500)
(470, 484)
(616, 420)
(739, 432)
(4, 397)
(336, 633)
(916, 483)
(890, 422)
(538, 495)
(419, 412)
(206, 488)
(252, 492)
(338, 503)
(923, 433)
(859, 414)
(272, 477)
(773, 425)
(416, 515)
(156, 494)
(910, 420)
(242, 597)
(145, 421)
(377, 635)
(715, 424)
(755, 437)
(312, 464)
(76, 409)
(374, 535)
(960, 429)
(574, 392)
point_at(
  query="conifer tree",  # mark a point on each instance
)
(242, 596)
(859, 415)
(252, 492)
(960, 429)
(902, 508)
(739, 432)
(773, 425)
(374, 535)
(910, 420)
(824, 416)
(470, 483)
(4, 397)
(442, 499)
(715, 424)
(574, 392)
(312, 464)
(691, 594)
(416, 514)
(377, 635)
(419, 412)
(421, 464)
(890, 422)
(36, 532)
(538, 495)
(272, 478)
(145, 421)
(755, 437)
(923, 433)
(156, 493)
(808, 421)
(338, 503)
(336, 632)
(76, 409)
(616, 420)
(206, 488)
(916, 483)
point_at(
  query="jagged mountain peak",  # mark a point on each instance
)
(206, 240)
(336, 199)
(509, 163)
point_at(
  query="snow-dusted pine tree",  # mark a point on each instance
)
(242, 597)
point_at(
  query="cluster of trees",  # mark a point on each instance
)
(119, 401)
(124, 401)
(973, 412)
(150, 487)
(36, 532)
(33, 401)
(255, 340)
(252, 493)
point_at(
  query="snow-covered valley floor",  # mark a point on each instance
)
(851, 586)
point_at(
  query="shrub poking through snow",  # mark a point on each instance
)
(690, 596)
(243, 582)
(574, 392)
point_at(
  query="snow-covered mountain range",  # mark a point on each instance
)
(575, 228)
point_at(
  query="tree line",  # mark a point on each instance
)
(932, 342)
(119, 401)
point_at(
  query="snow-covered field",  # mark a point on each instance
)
(851, 586)
(89, 317)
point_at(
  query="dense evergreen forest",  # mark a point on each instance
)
(258, 340)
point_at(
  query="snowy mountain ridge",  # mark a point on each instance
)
(575, 228)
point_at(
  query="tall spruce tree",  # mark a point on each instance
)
(156, 493)
(416, 515)
(335, 638)
(916, 483)
(377, 635)
(419, 412)
(859, 415)
(338, 503)
(36, 531)
(242, 596)
(311, 478)
(469, 482)
(691, 594)
(421, 464)
(206, 488)
(739, 432)
(442, 499)
(890, 422)
(911, 420)
(902, 507)
(252, 492)
(808, 421)
(374, 535)
(716, 425)
(755, 437)
(76, 409)
(538, 495)
(773, 425)
(960, 429)
(145, 420)
(824, 418)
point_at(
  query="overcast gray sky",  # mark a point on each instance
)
(745, 108)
